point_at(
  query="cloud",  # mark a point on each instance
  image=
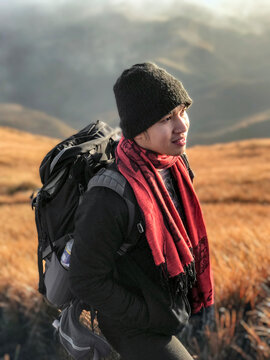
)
(64, 58)
(176, 65)
(155, 8)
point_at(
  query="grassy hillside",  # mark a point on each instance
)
(20, 157)
(35, 122)
(232, 181)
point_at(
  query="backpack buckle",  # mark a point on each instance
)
(140, 228)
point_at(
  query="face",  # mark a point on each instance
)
(169, 135)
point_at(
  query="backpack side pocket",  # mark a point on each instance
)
(56, 282)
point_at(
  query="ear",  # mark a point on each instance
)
(140, 139)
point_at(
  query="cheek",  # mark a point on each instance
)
(160, 134)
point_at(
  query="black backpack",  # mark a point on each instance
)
(82, 161)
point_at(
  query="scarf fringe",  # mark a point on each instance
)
(180, 283)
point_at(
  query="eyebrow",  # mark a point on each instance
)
(183, 106)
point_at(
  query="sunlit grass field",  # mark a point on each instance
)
(232, 181)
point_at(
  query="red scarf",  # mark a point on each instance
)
(174, 248)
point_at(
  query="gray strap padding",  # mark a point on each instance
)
(115, 181)
(51, 186)
(57, 157)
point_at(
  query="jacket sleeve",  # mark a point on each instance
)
(100, 229)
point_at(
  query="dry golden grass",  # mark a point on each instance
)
(232, 181)
(240, 250)
(234, 172)
(20, 157)
(18, 269)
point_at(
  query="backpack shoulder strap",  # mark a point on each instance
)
(185, 159)
(114, 180)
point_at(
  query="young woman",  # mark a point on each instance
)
(145, 298)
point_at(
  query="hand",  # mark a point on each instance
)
(198, 323)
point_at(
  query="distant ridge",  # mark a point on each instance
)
(33, 121)
(232, 172)
(249, 127)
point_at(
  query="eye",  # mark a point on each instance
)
(167, 118)
(183, 111)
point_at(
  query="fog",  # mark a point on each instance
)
(64, 57)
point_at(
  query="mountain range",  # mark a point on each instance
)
(66, 68)
(32, 121)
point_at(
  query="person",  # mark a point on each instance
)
(145, 298)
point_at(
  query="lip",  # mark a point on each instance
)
(180, 141)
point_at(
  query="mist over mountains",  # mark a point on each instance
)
(65, 60)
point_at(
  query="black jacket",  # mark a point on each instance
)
(127, 289)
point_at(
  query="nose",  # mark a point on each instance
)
(181, 123)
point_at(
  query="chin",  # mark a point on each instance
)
(179, 152)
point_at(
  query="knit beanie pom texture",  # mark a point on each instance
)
(144, 94)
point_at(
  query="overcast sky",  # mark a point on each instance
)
(158, 8)
(62, 57)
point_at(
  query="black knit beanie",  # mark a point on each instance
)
(144, 94)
